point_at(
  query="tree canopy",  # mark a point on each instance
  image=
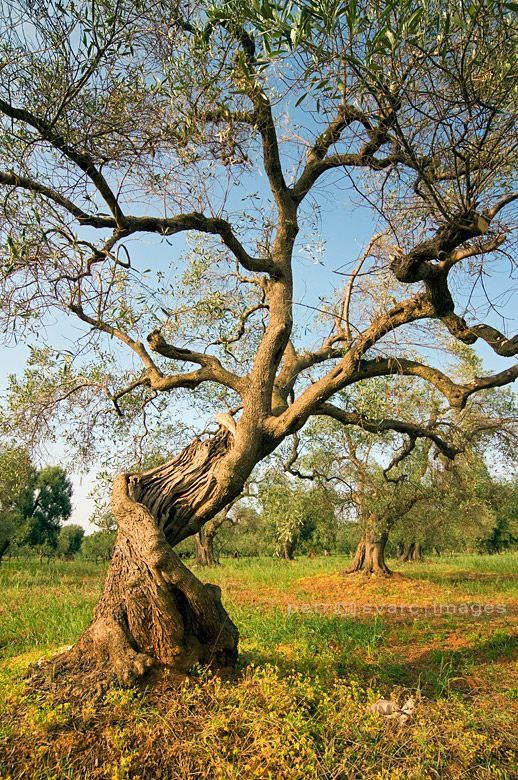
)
(117, 108)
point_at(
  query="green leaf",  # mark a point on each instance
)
(13, 252)
(391, 38)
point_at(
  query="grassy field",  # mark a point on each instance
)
(317, 648)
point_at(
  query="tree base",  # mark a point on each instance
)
(154, 612)
(412, 552)
(204, 548)
(369, 558)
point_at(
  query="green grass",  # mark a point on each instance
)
(272, 572)
(297, 705)
(44, 605)
(474, 575)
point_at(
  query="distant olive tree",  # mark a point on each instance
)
(98, 546)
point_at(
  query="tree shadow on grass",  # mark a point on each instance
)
(438, 672)
(331, 647)
(457, 577)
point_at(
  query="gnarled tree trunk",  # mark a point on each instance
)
(359, 557)
(204, 539)
(370, 555)
(287, 551)
(406, 552)
(204, 549)
(153, 610)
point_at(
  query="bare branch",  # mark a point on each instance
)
(469, 334)
(212, 370)
(501, 203)
(84, 161)
(195, 221)
(11, 179)
(381, 426)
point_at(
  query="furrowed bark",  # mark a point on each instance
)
(154, 611)
(370, 555)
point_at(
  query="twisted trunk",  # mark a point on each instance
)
(359, 557)
(370, 552)
(287, 550)
(407, 552)
(375, 555)
(153, 610)
(370, 555)
(412, 552)
(204, 539)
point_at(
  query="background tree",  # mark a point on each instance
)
(504, 533)
(297, 515)
(456, 512)
(248, 536)
(385, 483)
(46, 506)
(123, 121)
(70, 538)
(98, 546)
(15, 476)
(204, 540)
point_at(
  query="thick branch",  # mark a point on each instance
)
(340, 377)
(195, 221)
(211, 370)
(381, 426)
(318, 163)
(11, 179)
(469, 334)
(406, 311)
(431, 260)
(456, 394)
(147, 224)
